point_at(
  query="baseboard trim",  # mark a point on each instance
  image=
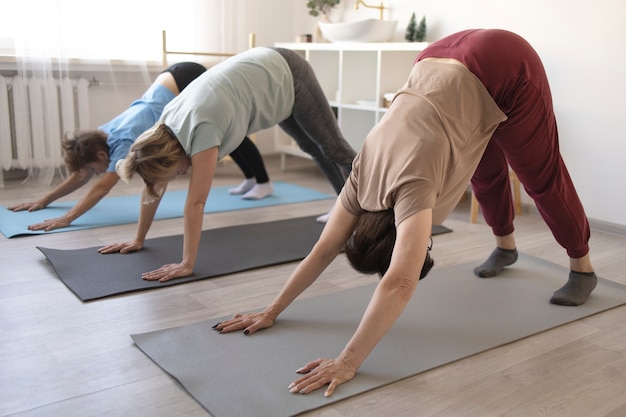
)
(609, 227)
(594, 224)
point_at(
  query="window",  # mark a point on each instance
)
(113, 29)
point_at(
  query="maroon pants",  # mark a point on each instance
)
(527, 141)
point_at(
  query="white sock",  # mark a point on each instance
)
(243, 188)
(259, 191)
(324, 217)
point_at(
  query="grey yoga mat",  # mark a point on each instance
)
(91, 275)
(452, 315)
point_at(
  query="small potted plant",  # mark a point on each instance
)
(415, 32)
(321, 7)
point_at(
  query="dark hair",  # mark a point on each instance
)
(370, 247)
(82, 146)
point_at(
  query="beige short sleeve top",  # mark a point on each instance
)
(424, 151)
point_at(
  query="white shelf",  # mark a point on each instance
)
(353, 46)
(354, 78)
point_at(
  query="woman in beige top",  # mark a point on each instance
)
(474, 103)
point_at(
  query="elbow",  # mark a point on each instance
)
(403, 288)
(328, 249)
(195, 206)
(102, 190)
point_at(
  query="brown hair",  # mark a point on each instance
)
(153, 156)
(82, 146)
(370, 247)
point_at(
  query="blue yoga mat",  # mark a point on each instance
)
(124, 210)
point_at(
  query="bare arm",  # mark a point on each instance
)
(99, 190)
(203, 168)
(72, 183)
(388, 301)
(329, 245)
(146, 217)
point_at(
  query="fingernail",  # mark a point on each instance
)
(246, 332)
(293, 384)
(216, 325)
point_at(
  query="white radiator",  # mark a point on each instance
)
(34, 114)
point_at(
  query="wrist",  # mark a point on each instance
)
(272, 313)
(68, 217)
(187, 264)
(350, 359)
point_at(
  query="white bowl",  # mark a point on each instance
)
(368, 30)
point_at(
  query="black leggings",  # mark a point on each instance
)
(249, 160)
(184, 73)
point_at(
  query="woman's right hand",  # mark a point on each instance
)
(33, 206)
(125, 247)
(249, 322)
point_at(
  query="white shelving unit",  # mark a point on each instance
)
(354, 78)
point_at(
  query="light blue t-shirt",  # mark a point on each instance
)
(140, 116)
(242, 95)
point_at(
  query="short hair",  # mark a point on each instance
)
(82, 146)
(370, 247)
(152, 156)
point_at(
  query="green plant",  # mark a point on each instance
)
(411, 28)
(420, 34)
(317, 7)
(415, 32)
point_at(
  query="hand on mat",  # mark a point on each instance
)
(250, 322)
(125, 247)
(34, 206)
(167, 272)
(50, 224)
(321, 372)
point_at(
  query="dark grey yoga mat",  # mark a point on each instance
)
(440, 230)
(91, 275)
(452, 315)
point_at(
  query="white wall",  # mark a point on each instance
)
(580, 42)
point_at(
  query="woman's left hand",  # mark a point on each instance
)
(50, 224)
(321, 372)
(167, 272)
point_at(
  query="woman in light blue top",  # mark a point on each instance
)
(90, 152)
(254, 90)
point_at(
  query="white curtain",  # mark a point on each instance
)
(49, 36)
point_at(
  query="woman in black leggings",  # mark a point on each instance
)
(90, 152)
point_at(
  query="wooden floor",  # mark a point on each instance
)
(62, 357)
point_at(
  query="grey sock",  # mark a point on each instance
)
(576, 290)
(498, 259)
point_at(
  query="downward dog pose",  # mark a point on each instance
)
(474, 101)
(90, 152)
(254, 90)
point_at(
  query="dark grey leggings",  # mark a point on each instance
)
(313, 125)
